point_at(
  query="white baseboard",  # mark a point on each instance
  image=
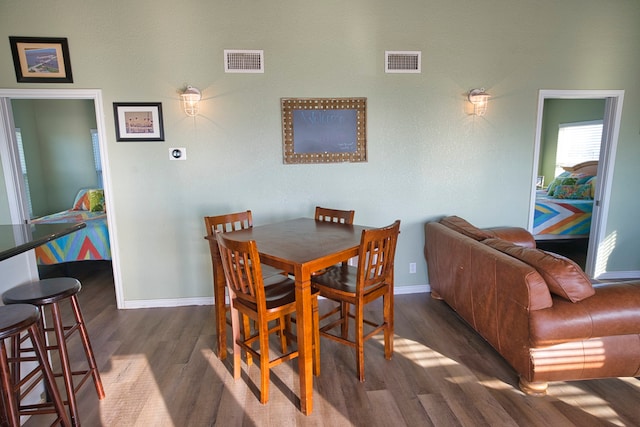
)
(180, 302)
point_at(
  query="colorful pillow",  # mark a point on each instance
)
(96, 200)
(582, 191)
(567, 178)
(81, 203)
(89, 200)
(563, 276)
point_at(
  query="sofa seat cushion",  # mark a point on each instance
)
(612, 311)
(563, 276)
(462, 226)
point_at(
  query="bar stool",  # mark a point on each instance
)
(49, 293)
(14, 320)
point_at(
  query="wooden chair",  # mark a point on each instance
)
(221, 224)
(372, 279)
(264, 300)
(334, 215)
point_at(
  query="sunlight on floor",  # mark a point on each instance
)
(572, 395)
(134, 372)
(417, 352)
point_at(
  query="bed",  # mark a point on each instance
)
(563, 210)
(89, 243)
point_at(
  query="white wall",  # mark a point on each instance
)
(427, 157)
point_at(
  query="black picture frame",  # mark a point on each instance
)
(138, 121)
(41, 59)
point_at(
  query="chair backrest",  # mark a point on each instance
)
(228, 222)
(242, 270)
(220, 224)
(334, 215)
(376, 257)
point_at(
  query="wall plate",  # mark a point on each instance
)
(178, 153)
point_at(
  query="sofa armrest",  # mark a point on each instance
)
(516, 235)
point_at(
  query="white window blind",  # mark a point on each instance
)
(23, 168)
(95, 142)
(578, 142)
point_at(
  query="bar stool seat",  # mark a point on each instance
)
(14, 320)
(49, 293)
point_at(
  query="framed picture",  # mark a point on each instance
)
(41, 60)
(324, 130)
(138, 121)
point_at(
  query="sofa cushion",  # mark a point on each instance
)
(462, 226)
(563, 276)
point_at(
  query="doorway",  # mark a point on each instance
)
(15, 190)
(611, 124)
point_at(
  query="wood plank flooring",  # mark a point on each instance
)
(159, 369)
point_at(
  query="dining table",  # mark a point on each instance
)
(297, 247)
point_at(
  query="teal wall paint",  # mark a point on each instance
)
(426, 156)
(556, 112)
(58, 150)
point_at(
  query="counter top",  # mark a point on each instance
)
(18, 238)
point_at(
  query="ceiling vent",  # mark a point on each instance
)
(243, 61)
(402, 61)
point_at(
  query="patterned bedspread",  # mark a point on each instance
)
(561, 218)
(89, 243)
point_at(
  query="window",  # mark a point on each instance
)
(95, 141)
(578, 142)
(23, 168)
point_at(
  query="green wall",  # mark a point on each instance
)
(58, 150)
(557, 111)
(426, 156)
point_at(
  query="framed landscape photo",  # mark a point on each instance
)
(138, 121)
(324, 130)
(41, 59)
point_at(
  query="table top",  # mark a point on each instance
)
(302, 240)
(18, 238)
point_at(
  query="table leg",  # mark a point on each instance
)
(305, 342)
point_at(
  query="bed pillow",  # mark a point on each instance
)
(578, 191)
(96, 200)
(81, 203)
(563, 276)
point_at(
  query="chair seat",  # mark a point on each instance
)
(42, 292)
(279, 290)
(16, 318)
(340, 279)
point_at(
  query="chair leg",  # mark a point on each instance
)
(264, 361)
(344, 313)
(65, 363)
(388, 319)
(88, 350)
(235, 328)
(284, 325)
(246, 328)
(359, 340)
(10, 403)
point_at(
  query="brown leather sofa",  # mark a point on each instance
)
(537, 309)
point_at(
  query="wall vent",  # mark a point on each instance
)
(402, 61)
(243, 61)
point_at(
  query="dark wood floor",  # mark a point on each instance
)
(159, 369)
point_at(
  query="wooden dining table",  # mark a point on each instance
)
(299, 247)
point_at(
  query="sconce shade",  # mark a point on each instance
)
(191, 101)
(480, 99)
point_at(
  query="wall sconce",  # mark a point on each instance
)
(191, 101)
(480, 99)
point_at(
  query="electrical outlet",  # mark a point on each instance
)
(178, 153)
(412, 268)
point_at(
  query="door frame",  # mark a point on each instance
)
(606, 163)
(11, 164)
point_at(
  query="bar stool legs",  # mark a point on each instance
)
(14, 320)
(48, 293)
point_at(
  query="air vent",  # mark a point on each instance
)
(244, 61)
(402, 62)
